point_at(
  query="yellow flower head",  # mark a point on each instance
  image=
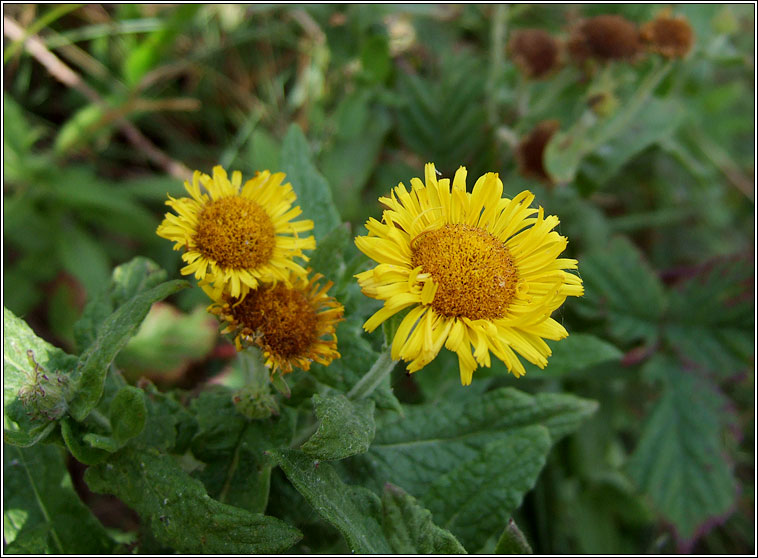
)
(237, 235)
(292, 322)
(476, 270)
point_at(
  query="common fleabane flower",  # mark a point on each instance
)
(236, 235)
(293, 322)
(478, 271)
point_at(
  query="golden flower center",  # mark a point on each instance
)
(474, 271)
(235, 232)
(283, 316)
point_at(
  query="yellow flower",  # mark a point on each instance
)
(475, 269)
(293, 323)
(236, 235)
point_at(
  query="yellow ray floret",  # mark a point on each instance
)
(293, 322)
(480, 273)
(237, 235)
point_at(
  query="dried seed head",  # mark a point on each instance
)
(605, 37)
(671, 37)
(531, 150)
(534, 51)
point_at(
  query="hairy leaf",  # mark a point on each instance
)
(180, 512)
(409, 528)
(38, 498)
(313, 193)
(354, 510)
(21, 429)
(512, 541)
(345, 427)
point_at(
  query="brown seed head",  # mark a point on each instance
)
(606, 37)
(534, 51)
(671, 37)
(530, 151)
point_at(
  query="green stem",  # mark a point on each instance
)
(366, 385)
(100, 419)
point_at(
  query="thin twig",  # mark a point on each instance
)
(59, 70)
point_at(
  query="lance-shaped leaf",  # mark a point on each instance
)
(409, 528)
(179, 511)
(313, 193)
(354, 510)
(20, 428)
(112, 336)
(41, 508)
(512, 541)
(680, 459)
(345, 427)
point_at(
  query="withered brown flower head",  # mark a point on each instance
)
(534, 51)
(531, 149)
(671, 37)
(605, 37)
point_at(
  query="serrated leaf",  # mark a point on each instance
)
(409, 528)
(680, 458)
(620, 288)
(179, 511)
(345, 427)
(354, 510)
(480, 494)
(313, 193)
(38, 495)
(712, 317)
(512, 541)
(18, 371)
(112, 336)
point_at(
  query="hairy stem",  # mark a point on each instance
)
(366, 385)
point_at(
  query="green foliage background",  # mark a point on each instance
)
(637, 437)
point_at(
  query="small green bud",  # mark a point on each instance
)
(255, 401)
(45, 394)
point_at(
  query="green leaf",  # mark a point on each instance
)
(433, 446)
(232, 447)
(38, 496)
(86, 447)
(620, 288)
(409, 528)
(680, 459)
(480, 494)
(166, 343)
(354, 510)
(513, 541)
(179, 511)
(327, 259)
(18, 371)
(152, 50)
(712, 323)
(83, 257)
(112, 336)
(375, 58)
(127, 280)
(313, 193)
(128, 413)
(30, 540)
(345, 427)
(566, 150)
(577, 352)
